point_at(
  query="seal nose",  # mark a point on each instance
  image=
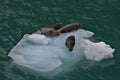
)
(70, 49)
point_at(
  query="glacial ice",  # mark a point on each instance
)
(44, 53)
(38, 39)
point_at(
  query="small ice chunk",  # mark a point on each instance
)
(97, 51)
(38, 39)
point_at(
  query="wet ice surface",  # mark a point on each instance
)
(45, 54)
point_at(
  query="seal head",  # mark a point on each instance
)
(57, 26)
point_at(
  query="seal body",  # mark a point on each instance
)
(57, 26)
(70, 27)
(49, 31)
(70, 42)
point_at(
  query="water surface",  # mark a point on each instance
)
(19, 17)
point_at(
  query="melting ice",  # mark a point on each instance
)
(45, 54)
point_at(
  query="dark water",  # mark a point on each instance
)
(18, 17)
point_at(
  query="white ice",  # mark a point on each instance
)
(97, 51)
(44, 54)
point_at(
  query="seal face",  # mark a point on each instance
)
(71, 27)
(70, 42)
(57, 26)
(49, 31)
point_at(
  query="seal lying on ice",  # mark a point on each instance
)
(70, 27)
(49, 31)
(70, 42)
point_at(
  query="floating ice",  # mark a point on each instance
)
(36, 56)
(96, 51)
(45, 54)
(38, 39)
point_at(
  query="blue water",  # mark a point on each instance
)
(19, 17)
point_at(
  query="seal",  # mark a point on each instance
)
(49, 31)
(57, 26)
(70, 27)
(70, 42)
